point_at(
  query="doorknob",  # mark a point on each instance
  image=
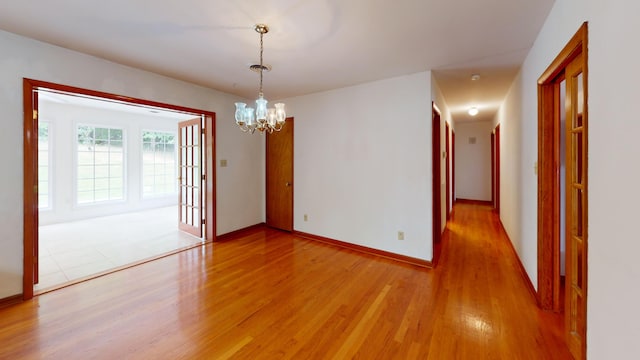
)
(287, 184)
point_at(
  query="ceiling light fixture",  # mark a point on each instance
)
(264, 119)
(473, 111)
(475, 77)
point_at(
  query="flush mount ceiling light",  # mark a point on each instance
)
(475, 77)
(263, 119)
(473, 111)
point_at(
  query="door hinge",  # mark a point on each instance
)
(204, 177)
(35, 114)
(203, 221)
(202, 131)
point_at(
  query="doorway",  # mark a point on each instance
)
(109, 145)
(447, 131)
(562, 92)
(453, 167)
(279, 177)
(436, 156)
(495, 166)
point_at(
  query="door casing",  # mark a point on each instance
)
(436, 156)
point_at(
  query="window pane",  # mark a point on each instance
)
(101, 195)
(101, 171)
(43, 164)
(85, 172)
(102, 133)
(102, 184)
(100, 164)
(85, 157)
(158, 163)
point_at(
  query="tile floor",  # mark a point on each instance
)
(75, 250)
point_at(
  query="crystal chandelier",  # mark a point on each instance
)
(263, 119)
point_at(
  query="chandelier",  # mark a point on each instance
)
(261, 118)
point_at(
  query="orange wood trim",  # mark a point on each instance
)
(72, 90)
(241, 232)
(11, 300)
(366, 250)
(523, 271)
(497, 169)
(493, 168)
(474, 202)
(210, 177)
(453, 166)
(575, 46)
(30, 175)
(447, 135)
(436, 168)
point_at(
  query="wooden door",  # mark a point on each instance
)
(576, 208)
(453, 167)
(497, 154)
(448, 169)
(493, 168)
(279, 178)
(190, 176)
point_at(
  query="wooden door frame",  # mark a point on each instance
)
(30, 170)
(447, 131)
(453, 166)
(497, 169)
(436, 156)
(493, 168)
(549, 133)
(290, 122)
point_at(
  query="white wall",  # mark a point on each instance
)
(240, 186)
(362, 164)
(613, 319)
(473, 163)
(63, 120)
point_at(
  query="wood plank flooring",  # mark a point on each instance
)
(270, 295)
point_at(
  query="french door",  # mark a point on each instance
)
(576, 209)
(190, 176)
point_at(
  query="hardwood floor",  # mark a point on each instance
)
(270, 295)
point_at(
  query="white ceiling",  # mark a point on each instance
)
(112, 105)
(313, 45)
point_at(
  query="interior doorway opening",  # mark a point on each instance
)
(563, 189)
(112, 176)
(436, 156)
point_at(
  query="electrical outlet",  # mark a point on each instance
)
(223, 163)
(400, 235)
(306, 218)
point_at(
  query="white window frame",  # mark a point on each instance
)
(76, 164)
(142, 165)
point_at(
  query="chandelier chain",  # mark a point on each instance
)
(261, 66)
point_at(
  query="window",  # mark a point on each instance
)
(158, 163)
(44, 201)
(100, 165)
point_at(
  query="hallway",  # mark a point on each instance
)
(268, 294)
